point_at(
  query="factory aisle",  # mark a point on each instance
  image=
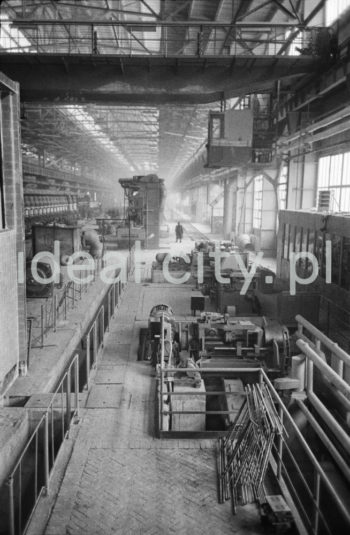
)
(120, 478)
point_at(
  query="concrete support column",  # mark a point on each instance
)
(202, 205)
(230, 186)
(295, 167)
(240, 202)
(13, 327)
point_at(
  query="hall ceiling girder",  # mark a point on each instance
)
(167, 55)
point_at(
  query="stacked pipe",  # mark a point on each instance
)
(245, 450)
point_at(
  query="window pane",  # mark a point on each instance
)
(323, 172)
(346, 169)
(334, 175)
(335, 172)
(334, 8)
(345, 199)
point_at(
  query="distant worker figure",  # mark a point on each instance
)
(179, 232)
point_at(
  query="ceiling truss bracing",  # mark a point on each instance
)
(124, 139)
(153, 28)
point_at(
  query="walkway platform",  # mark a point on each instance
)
(119, 477)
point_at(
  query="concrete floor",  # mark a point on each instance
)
(119, 477)
(112, 475)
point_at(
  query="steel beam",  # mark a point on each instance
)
(89, 81)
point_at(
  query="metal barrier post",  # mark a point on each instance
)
(12, 506)
(29, 340)
(113, 299)
(161, 373)
(73, 294)
(109, 301)
(80, 287)
(309, 376)
(42, 325)
(76, 384)
(46, 452)
(54, 312)
(280, 446)
(317, 503)
(94, 345)
(88, 360)
(161, 400)
(68, 400)
(102, 322)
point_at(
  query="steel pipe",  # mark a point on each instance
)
(337, 429)
(326, 441)
(332, 346)
(151, 24)
(341, 505)
(326, 370)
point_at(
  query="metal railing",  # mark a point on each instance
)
(314, 495)
(57, 307)
(338, 357)
(310, 488)
(164, 38)
(30, 477)
(322, 354)
(94, 343)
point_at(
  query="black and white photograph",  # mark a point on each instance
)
(174, 267)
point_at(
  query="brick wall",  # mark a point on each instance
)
(9, 347)
(12, 303)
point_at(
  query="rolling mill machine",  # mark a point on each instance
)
(213, 346)
(226, 376)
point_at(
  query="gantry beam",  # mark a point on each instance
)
(145, 80)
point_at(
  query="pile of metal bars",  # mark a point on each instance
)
(245, 450)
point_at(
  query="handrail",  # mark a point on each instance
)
(161, 23)
(44, 430)
(327, 371)
(193, 38)
(321, 477)
(334, 376)
(51, 310)
(332, 346)
(343, 507)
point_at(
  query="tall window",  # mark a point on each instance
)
(244, 103)
(334, 175)
(334, 8)
(257, 204)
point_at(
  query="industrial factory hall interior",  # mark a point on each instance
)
(174, 267)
